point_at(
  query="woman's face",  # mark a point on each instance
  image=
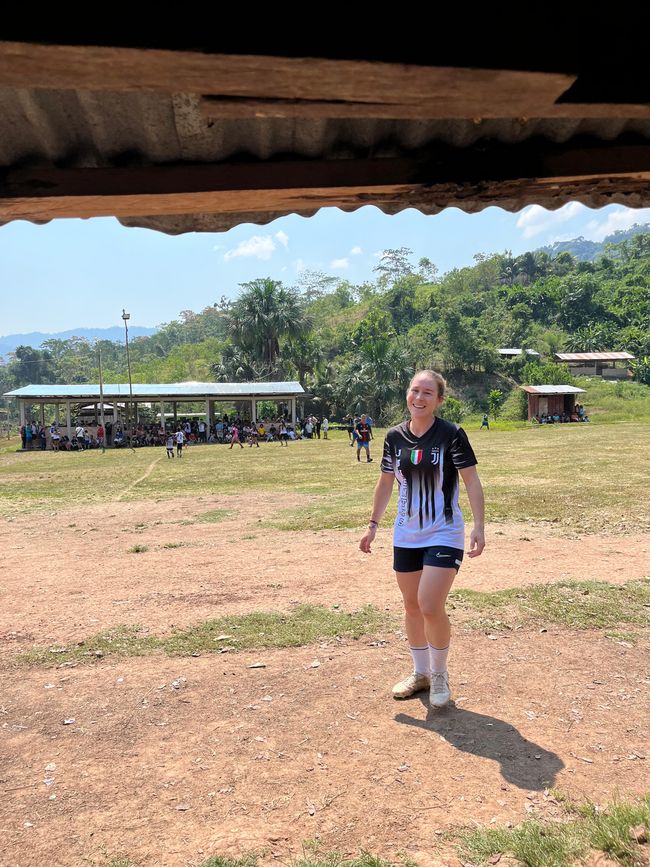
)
(422, 397)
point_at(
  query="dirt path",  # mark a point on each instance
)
(231, 761)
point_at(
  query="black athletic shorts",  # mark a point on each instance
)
(413, 559)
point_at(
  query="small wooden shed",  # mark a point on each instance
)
(551, 399)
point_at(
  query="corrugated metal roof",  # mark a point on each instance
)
(552, 389)
(593, 356)
(177, 390)
(513, 351)
(151, 117)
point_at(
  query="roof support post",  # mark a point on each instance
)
(22, 412)
(253, 410)
(67, 419)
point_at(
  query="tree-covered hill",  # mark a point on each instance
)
(357, 345)
(589, 251)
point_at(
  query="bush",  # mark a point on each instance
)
(515, 407)
(452, 410)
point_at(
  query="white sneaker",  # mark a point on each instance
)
(409, 686)
(439, 694)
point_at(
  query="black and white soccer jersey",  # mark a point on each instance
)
(426, 469)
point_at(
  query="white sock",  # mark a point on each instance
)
(420, 657)
(438, 657)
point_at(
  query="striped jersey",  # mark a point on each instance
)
(426, 469)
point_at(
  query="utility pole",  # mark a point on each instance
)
(101, 397)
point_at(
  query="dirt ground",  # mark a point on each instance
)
(172, 760)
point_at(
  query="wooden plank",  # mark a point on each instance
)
(217, 108)
(458, 92)
(510, 195)
(451, 177)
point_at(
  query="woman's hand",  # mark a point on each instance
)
(476, 542)
(367, 539)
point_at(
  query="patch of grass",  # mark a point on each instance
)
(329, 859)
(574, 604)
(630, 637)
(216, 516)
(558, 844)
(219, 861)
(304, 625)
(120, 641)
(173, 545)
(137, 549)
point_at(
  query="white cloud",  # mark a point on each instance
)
(536, 220)
(340, 264)
(256, 247)
(356, 251)
(282, 238)
(597, 230)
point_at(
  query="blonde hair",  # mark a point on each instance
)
(438, 378)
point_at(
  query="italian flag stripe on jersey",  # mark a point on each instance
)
(416, 456)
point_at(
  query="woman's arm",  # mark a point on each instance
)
(477, 505)
(383, 491)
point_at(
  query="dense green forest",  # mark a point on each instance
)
(355, 345)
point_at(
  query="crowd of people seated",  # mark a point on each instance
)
(222, 430)
(577, 414)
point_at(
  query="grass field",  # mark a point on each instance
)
(588, 478)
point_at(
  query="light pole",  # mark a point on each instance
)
(126, 316)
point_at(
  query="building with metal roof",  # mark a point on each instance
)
(127, 398)
(512, 352)
(551, 399)
(603, 364)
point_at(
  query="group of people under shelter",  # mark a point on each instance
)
(224, 430)
(578, 414)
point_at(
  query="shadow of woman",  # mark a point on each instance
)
(523, 763)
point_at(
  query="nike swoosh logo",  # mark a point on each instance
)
(438, 554)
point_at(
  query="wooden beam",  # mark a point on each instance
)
(442, 107)
(270, 187)
(441, 91)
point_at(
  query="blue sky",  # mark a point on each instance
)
(81, 273)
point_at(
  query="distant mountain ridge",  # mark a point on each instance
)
(589, 251)
(35, 339)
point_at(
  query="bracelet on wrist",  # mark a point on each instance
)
(372, 525)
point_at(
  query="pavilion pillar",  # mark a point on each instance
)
(293, 410)
(162, 414)
(96, 415)
(207, 413)
(175, 408)
(67, 419)
(254, 410)
(56, 413)
(43, 415)
(22, 412)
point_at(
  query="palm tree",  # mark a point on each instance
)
(265, 315)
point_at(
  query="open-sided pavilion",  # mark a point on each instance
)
(71, 397)
(602, 364)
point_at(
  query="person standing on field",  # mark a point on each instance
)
(426, 455)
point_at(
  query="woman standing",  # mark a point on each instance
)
(426, 455)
